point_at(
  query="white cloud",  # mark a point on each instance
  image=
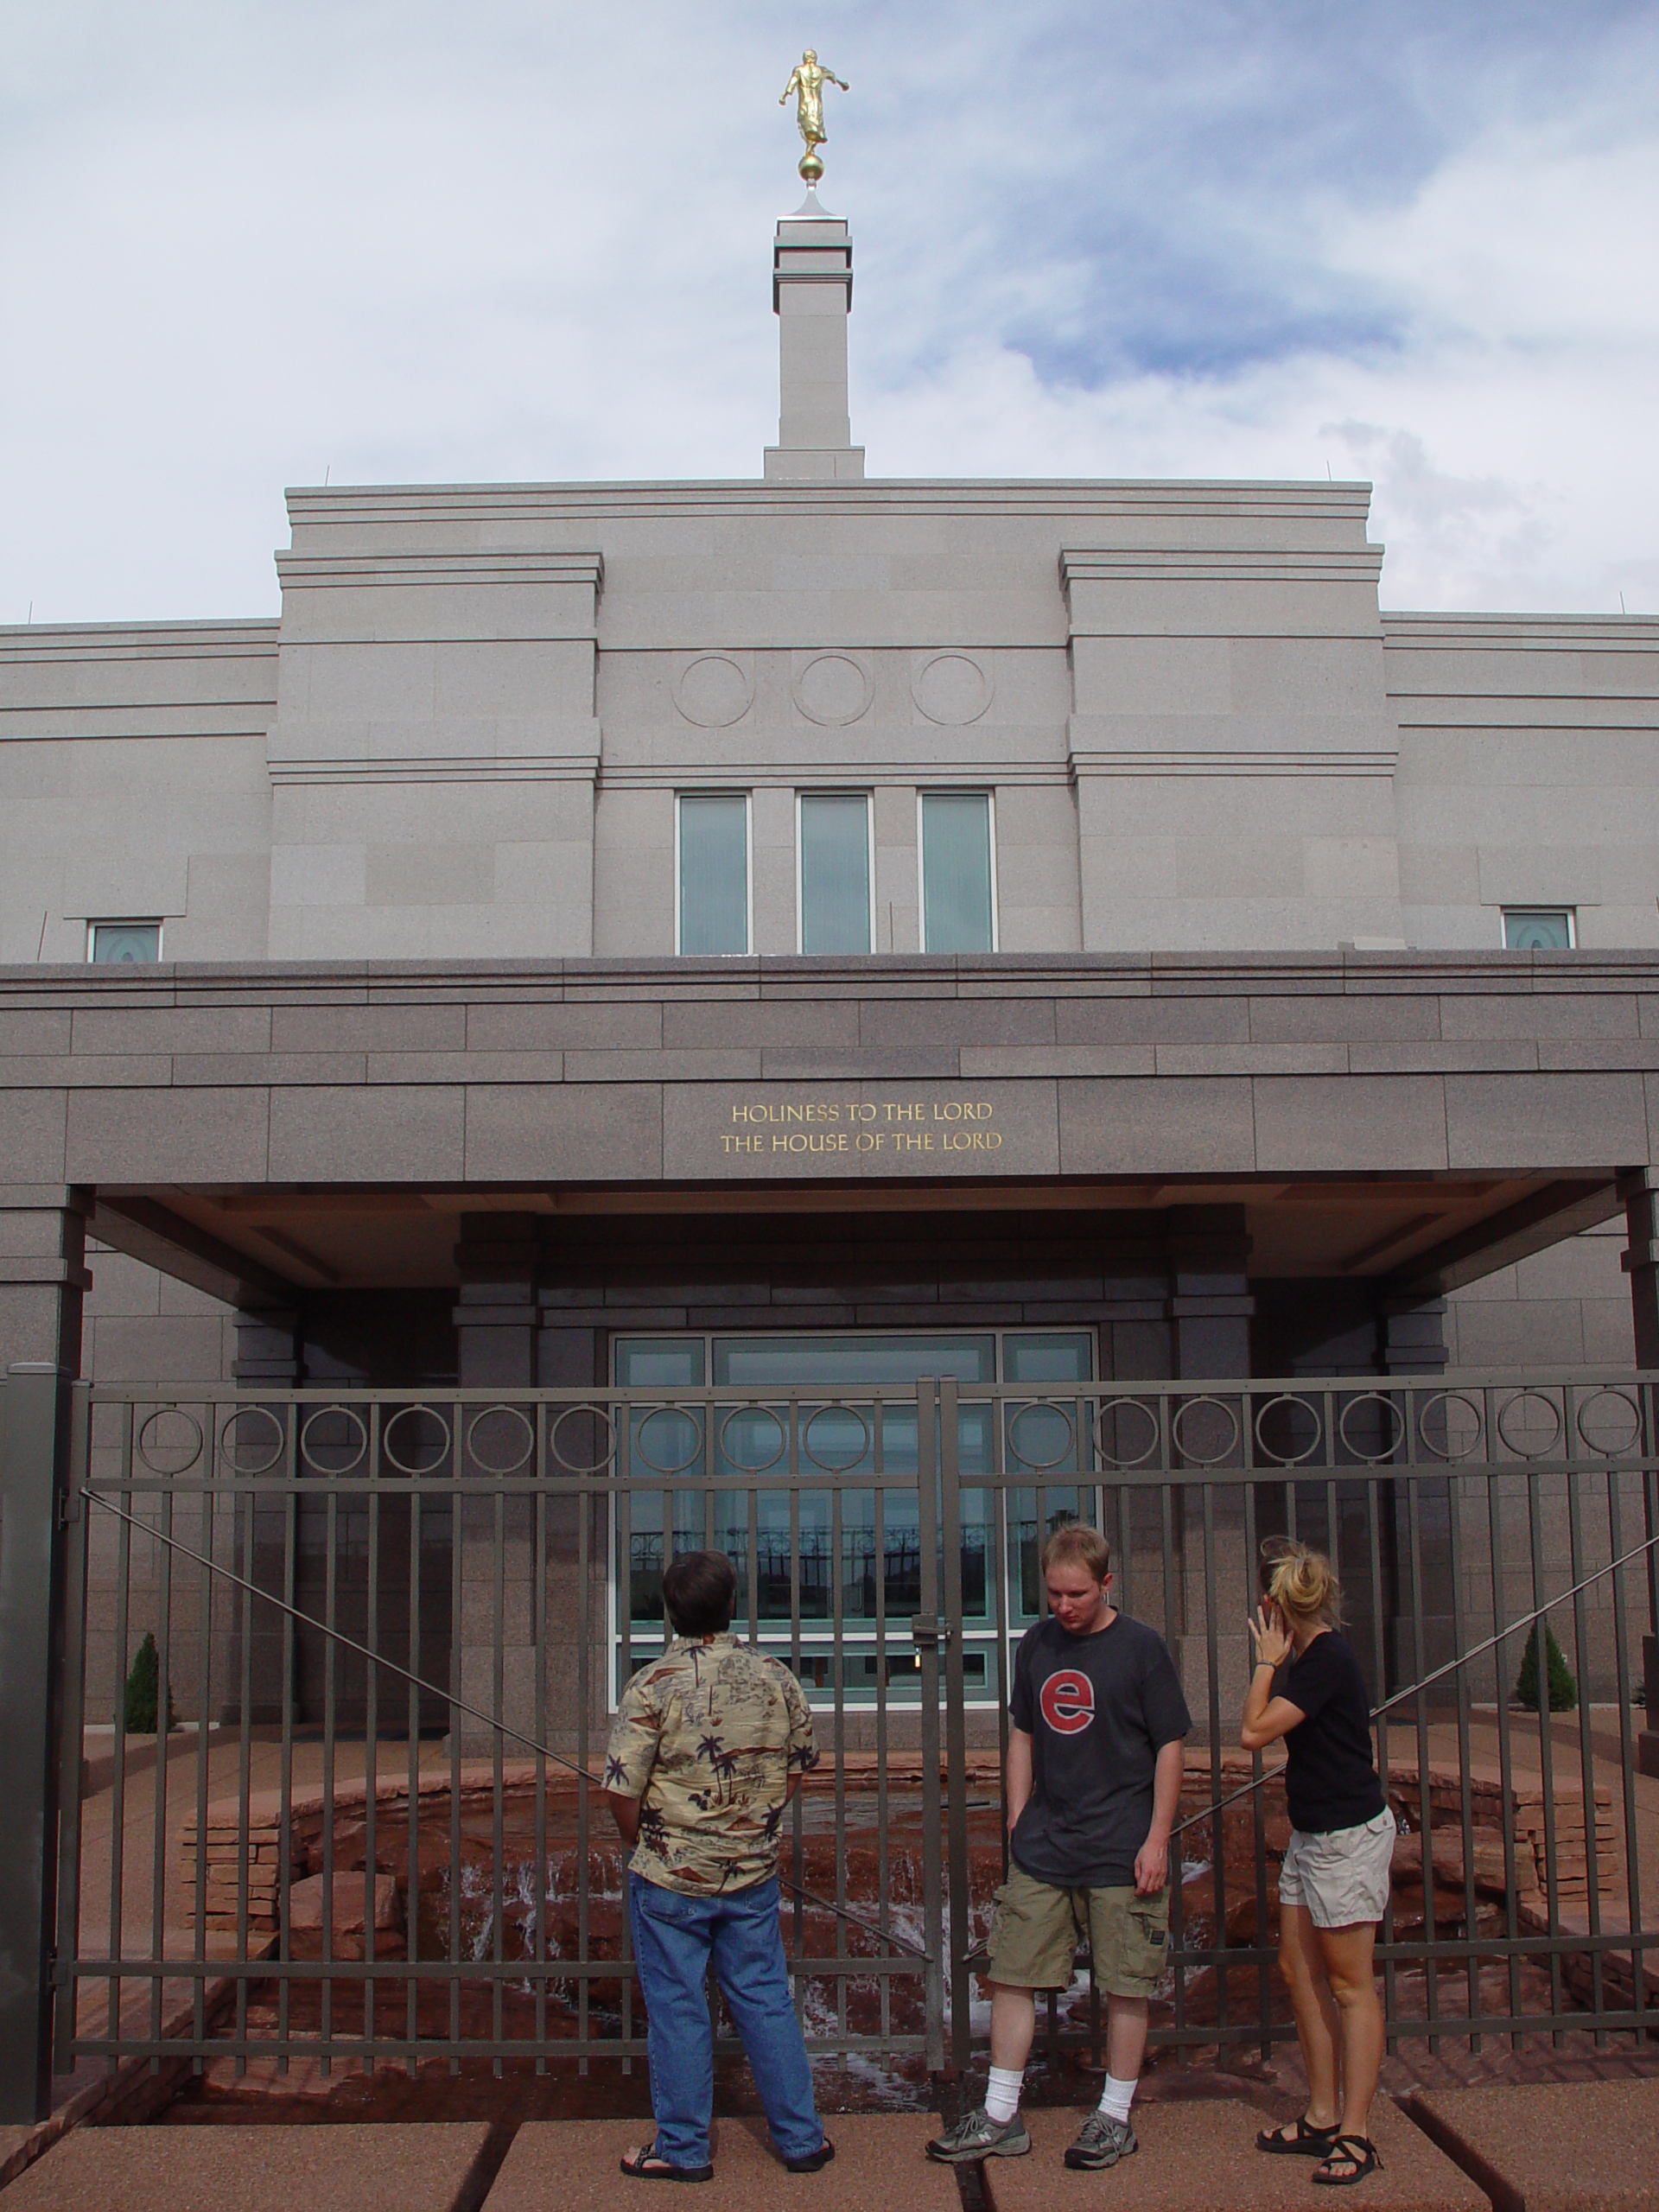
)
(240, 244)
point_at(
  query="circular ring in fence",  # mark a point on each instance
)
(1200, 1458)
(490, 1467)
(191, 1448)
(836, 1466)
(592, 1466)
(1399, 1427)
(345, 1412)
(1299, 1405)
(230, 1447)
(742, 1466)
(661, 1413)
(1067, 1451)
(1629, 1418)
(1125, 1459)
(1523, 1398)
(407, 1413)
(1472, 1427)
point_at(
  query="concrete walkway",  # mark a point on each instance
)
(1554, 2147)
(1196, 2157)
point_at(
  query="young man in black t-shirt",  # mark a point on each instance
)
(1094, 1783)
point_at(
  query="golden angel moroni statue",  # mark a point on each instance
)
(807, 80)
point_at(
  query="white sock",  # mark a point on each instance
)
(1002, 2097)
(1115, 2098)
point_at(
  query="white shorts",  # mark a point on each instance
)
(1341, 1877)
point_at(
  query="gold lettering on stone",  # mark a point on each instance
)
(828, 1129)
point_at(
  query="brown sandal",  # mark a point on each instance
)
(644, 2163)
(1308, 2141)
(1355, 2151)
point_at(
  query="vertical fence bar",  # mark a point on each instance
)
(539, 1723)
(1586, 1748)
(1539, 1632)
(954, 1717)
(71, 1736)
(204, 1709)
(289, 1499)
(1627, 1753)
(412, 1755)
(879, 1542)
(119, 1777)
(1501, 1655)
(838, 1688)
(164, 1705)
(1379, 1675)
(370, 1726)
(927, 1656)
(499, 1712)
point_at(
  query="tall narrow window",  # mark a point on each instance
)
(958, 882)
(1538, 929)
(834, 871)
(714, 842)
(127, 942)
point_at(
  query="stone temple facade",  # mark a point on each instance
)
(696, 911)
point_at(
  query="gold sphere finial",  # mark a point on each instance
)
(807, 80)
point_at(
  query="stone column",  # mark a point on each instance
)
(1639, 1188)
(496, 1324)
(812, 294)
(1209, 1308)
(42, 1281)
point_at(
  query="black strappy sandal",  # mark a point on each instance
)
(647, 2164)
(1308, 2141)
(1356, 2151)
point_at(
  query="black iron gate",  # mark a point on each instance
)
(388, 1632)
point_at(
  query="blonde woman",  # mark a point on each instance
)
(1333, 1886)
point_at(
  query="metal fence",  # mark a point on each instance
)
(388, 1631)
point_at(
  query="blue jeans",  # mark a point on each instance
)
(673, 1938)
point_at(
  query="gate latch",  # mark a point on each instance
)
(928, 1634)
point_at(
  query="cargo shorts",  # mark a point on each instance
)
(1037, 1929)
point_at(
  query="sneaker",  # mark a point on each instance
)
(1103, 2142)
(979, 2136)
(814, 2161)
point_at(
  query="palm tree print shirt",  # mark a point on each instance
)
(709, 1738)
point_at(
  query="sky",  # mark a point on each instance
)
(250, 244)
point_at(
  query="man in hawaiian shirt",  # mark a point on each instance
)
(709, 1744)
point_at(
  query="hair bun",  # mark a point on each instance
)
(1302, 1583)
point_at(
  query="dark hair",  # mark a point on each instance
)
(698, 1589)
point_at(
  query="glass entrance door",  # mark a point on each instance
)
(783, 1539)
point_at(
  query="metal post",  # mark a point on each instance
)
(33, 1481)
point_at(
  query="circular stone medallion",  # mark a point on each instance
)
(951, 689)
(714, 690)
(833, 690)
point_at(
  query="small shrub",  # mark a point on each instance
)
(143, 1687)
(1563, 1690)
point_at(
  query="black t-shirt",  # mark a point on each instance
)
(1332, 1781)
(1098, 1710)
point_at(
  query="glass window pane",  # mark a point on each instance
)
(833, 1363)
(715, 874)
(126, 941)
(835, 873)
(957, 872)
(1537, 929)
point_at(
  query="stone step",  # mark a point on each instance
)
(880, 2166)
(1201, 2157)
(1553, 2147)
(411, 2166)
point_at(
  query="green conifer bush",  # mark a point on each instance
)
(1563, 1690)
(143, 1689)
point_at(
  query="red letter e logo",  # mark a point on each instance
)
(1068, 1702)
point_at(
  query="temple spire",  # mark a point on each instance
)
(813, 296)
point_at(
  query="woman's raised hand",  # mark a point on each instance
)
(1273, 1643)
